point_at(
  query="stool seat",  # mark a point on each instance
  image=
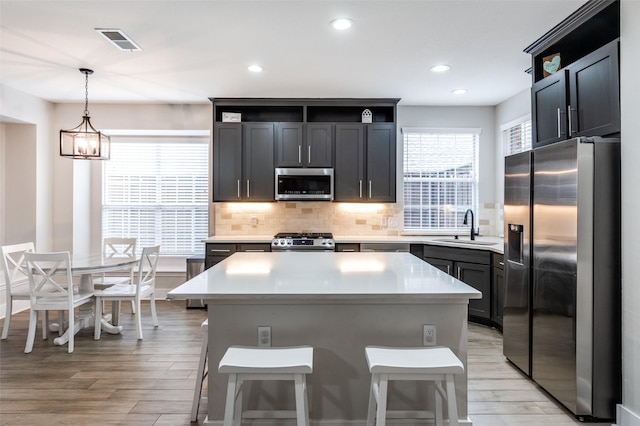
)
(435, 364)
(241, 359)
(251, 363)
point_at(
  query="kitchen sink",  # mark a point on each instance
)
(461, 241)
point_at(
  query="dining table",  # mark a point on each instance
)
(85, 266)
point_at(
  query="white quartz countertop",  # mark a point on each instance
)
(493, 244)
(323, 275)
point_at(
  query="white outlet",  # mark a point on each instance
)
(428, 335)
(254, 221)
(393, 222)
(264, 335)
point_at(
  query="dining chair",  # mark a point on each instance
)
(51, 289)
(143, 286)
(116, 247)
(16, 280)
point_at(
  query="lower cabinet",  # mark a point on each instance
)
(473, 267)
(348, 247)
(497, 288)
(217, 252)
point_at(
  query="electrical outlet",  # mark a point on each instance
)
(393, 222)
(254, 221)
(428, 335)
(264, 335)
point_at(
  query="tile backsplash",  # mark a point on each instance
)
(338, 218)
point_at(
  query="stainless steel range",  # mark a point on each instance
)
(311, 241)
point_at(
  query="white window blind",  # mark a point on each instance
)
(440, 179)
(517, 137)
(156, 190)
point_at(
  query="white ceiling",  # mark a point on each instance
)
(193, 50)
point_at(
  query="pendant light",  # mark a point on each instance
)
(84, 142)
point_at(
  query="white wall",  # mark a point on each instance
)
(629, 413)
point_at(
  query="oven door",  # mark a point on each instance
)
(304, 184)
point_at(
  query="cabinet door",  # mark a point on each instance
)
(381, 162)
(442, 264)
(549, 109)
(349, 168)
(318, 146)
(227, 161)
(289, 145)
(497, 295)
(259, 177)
(595, 93)
(478, 277)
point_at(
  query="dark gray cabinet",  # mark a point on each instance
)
(497, 289)
(243, 162)
(549, 109)
(473, 267)
(315, 149)
(365, 165)
(217, 252)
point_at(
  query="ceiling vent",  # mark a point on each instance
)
(119, 39)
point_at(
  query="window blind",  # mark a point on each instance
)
(440, 180)
(156, 190)
(517, 138)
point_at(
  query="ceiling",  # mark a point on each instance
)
(193, 50)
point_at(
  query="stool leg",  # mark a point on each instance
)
(237, 416)
(200, 378)
(229, 407)
(439, 393)
(381, 415)
(452, 407)
(302, 410)
(371, 412)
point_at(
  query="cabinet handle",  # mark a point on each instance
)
(220, 250)
(255, 250)
(559, 113)
(248, 192)
(348, 250)
(459, 273)
(309, 155)
(370, 188)
(448, 269)
(360, 187)
(238, 182)
(569, 116)
(501, 263)
(299, 154)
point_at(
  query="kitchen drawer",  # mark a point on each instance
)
(256, 247)
(348, 247)
(220, 249)
(457, 254)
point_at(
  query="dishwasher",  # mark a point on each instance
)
(384, 247)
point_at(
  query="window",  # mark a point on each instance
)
(440, 179)
(516, 136)
(156, 190)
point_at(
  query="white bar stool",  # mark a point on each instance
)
(435, 364)
(287, 363)
(202, 374)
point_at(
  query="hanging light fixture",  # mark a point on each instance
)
(84, 142)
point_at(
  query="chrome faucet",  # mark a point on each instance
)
(464, 222)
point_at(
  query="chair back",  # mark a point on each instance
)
(147, 267)
(50, 277)
(15, 272)
(119, 247)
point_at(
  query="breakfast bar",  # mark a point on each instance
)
(339, 303)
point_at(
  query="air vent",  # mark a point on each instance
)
(119, 39)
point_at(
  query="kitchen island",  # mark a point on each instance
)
(338, 303)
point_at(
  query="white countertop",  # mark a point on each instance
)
(323, 276)
(496, 243)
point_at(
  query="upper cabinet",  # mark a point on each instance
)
(575, 71)
(253, 136)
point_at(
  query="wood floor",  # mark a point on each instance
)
(122, 381)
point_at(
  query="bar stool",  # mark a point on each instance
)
(202, 374)
(287, 363)
(437, 364)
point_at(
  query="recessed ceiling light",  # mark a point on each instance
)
(459, 91)
(342, 23)
(440, 68)
(255, 68)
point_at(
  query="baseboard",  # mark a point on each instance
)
(18, 306)
(626, 417)
(337, 422)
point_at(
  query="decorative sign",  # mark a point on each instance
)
(231, 117)
(550, 64)
(367, 116)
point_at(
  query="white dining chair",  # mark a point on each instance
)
(116, 247)
(143, 286)
(16, 280)
(51, 289)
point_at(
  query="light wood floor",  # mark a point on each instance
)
(122, 381)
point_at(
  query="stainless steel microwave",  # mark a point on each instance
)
(304, 184)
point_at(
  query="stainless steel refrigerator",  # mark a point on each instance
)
(562, 318)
